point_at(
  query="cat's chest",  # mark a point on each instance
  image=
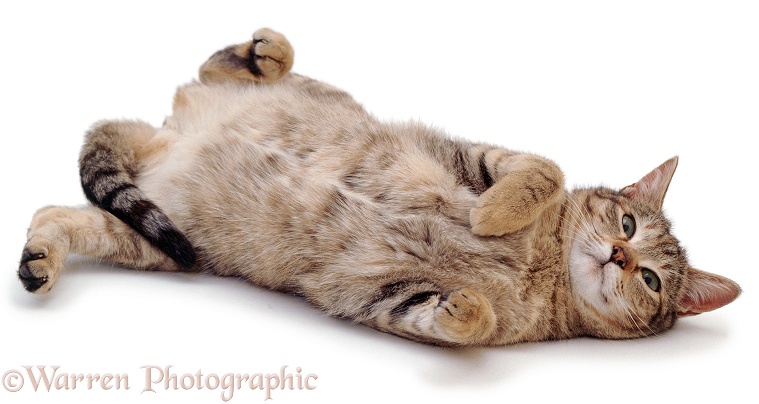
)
(545, 248)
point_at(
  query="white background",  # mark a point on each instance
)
(608, 90)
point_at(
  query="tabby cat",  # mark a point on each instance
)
(289, 183)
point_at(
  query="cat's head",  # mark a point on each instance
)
(629, 275)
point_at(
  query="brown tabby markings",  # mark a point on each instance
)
(291, 184)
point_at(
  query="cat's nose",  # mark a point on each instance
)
(618, 256)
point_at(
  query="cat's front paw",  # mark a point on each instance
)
(518, 199)
(39, 267)
(489, 220)
(497, 214)
(465, 317)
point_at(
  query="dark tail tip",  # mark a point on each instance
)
(152, 223)
(176, 246)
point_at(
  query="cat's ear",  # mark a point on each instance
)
(653, 186)
(705, 291)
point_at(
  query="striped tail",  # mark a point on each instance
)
(107, 166)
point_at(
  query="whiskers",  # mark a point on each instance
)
(631, 315)
(582, 218)
(588, 234)
(580, 222)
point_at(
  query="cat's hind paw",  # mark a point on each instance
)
(265, 59)
(38, 269)
(271, 55)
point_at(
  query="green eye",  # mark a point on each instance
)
(628, 225)
(652, 281)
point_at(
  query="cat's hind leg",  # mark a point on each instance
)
(113, 156)
(265, 59)
(57, 231)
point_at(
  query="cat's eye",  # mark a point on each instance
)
(651, 280)
(628, 225)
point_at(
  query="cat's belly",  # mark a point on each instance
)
(268, 214)
(292, 223)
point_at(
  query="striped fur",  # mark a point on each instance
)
(107, 167)
(289, 183)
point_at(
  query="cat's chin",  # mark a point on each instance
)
(588, 276)
(585, 264)
(608, 267)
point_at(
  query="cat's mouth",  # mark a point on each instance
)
(598, 260)
(582, 264)
(591, 272)
(608, 266)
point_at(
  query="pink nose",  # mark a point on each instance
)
(618, 256)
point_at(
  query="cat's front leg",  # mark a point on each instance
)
(465, 316)
(526, 185)
(462, 317)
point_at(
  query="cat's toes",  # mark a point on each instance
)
(466, 316)
(266, 58)
(37, 270)
(271, 55)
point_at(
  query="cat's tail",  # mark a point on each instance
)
(108, 164)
